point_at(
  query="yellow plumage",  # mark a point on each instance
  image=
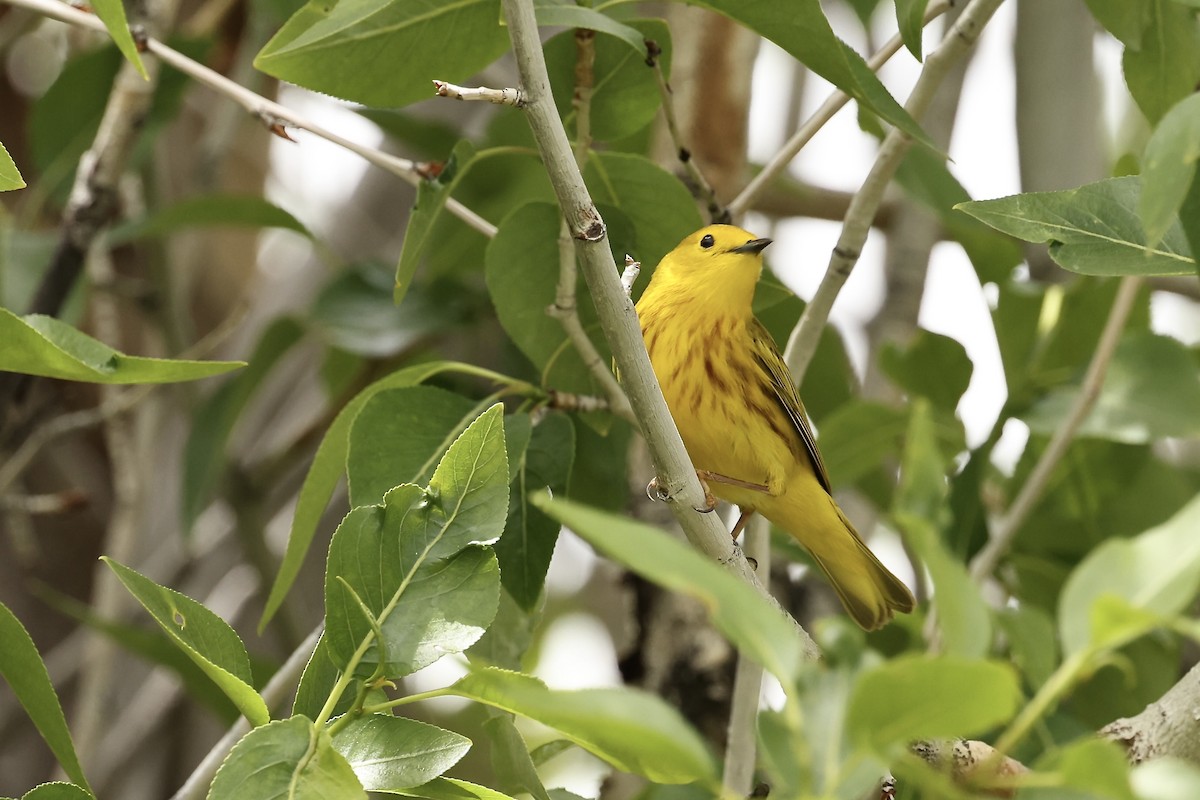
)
(737, 410)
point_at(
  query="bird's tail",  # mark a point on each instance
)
(870, 593)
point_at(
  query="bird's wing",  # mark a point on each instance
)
(767, 355)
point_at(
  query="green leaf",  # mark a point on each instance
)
(389, 752)
(552, 13)
(1031, 641)
(658, 205)
(632, 730)
(1094, 767)
(1157, 572)
(398, 437)
(287, 758)
(26, 674)
(1092, 230)
(204, 459)
(316, 684)
(529, 535)
(384, 52)
(1124, 19)
(57, 790)
(515, 772)
(329, 464)
(203, 636)
(1166, 67)
(858, 438)
(802, 30)
(931, 365)
(1166, 778)
(1151, 390)
(206, 211)
(10, 176)
(1169, 167)
(521, 269)
(431, 199)
(910, 16)
(45, 346)
(452, 789)
(112, 14)
(740, 613)
(904, 700)
(410, 562)
(625, 94)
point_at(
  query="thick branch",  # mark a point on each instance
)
(617, 317)
(961, 37)
(1170, 726)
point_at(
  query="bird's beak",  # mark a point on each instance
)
(752, 246)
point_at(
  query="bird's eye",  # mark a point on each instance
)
(707, 241)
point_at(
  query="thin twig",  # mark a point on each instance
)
(701, 185)
(779, 162)
(742, 740)
(501, 97)
(275, 116)
(958, 39)
(1005, 530)
(617, 316)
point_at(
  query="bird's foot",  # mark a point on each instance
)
(715, 477)
(656, 491)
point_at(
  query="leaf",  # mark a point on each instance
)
(910, 16)
(213, 210)
(802, 30)
(632, 730)
(1094, 767)
(389, 752)
(45, 346)
(1157, 572)
(287, 758)
(57, 790)
(552, 13)
(931, 365)
(384, 52)
(1032, 645)
(398, 437)
(658, 205)
(1169, 167)
(1124, 19)
(112, 14)
(929, 697)
(203, 636)
(452, 789)
(410, 563)
(740, 613)
(10, 176)
(521, 269)
(529, 536)
(431, 199)
(509, 636)
(26, 674)
(511, 762)
(1165, 69)
(316, 684)
(1150, 391)
(204, 458)
(625, 94)
(1092, 230)
(329, 464)
(860, 437)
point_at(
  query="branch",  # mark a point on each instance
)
(617, 316)
(1169, 726)
(275, 116)
(699, 182)
(822, 115)
(1005, 530)
(958, 39)
(501, 97)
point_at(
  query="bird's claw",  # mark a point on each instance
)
(656, 492)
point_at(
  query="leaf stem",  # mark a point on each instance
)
(1005, 530)
(402, 701)
(1052, 690)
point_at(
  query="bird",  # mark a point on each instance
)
(740, 416)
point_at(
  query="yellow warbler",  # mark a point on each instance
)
(745, 429)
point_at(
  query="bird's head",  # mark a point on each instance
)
(720, 259)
